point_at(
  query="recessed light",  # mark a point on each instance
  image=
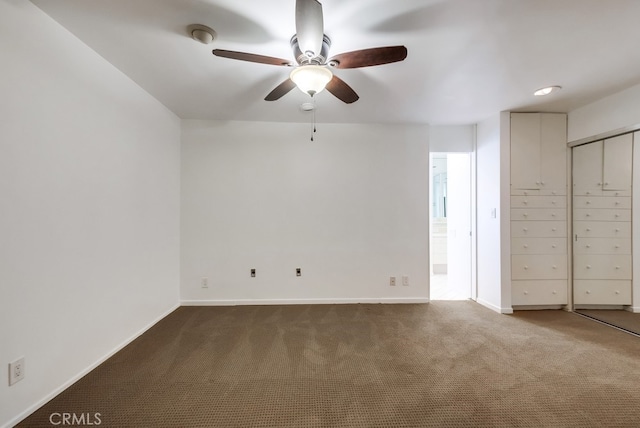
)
(546, 91)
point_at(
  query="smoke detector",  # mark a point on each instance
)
(307, 107)
(201, 33)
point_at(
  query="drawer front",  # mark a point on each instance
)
(590, 292)
(543, 191)
(602, 229)
(538, 214)
(538, 229)
(553, 192)
(593, 214)
(538, 266)
(602, 246)
(610, 193)
(608, 202)
(539, 245)
(538, 202)
(524, 192)
(586, 191)
(528, 293)
(590, 266)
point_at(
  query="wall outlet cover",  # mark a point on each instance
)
(16, 371)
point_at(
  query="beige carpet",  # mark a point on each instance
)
(445, 364)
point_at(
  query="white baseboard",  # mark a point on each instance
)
(260, 302)
(23, 415)
(537, 307)
(494, 307)
(634, 309)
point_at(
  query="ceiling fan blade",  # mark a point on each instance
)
(341, 90)
(309, 26)
(280, 90)
(369, 57)
(243, 56)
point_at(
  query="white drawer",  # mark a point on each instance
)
(529, 293)
(524, 192)
(538, 214)
(538, 266)
(602, 246)
(538, 229)
(590, 292)
(539, 245)
(594, 214)
(602, 229)
(539, 192)
(628, 192)
(596, 266)
(584, 191)
(538, 202)
(617, 202)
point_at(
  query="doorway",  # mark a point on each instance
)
(450, 226)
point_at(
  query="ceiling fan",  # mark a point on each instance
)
(312, 72)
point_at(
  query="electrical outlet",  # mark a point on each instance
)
(405, 281)
(253, 273)
(298, 272)
(392, 281)
(205, 282)
(16, 371)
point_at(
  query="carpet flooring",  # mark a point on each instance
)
(623, 319)
(442, 364)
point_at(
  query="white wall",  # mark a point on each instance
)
(614, 112)
(492, 166)
(89, 208)
(451, 138)
(350, 209)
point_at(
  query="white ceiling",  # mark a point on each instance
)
(468, 59)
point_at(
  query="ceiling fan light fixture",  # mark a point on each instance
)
(311, 79)
(546, 91)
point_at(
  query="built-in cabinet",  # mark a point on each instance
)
(539, 217)
(602, 257)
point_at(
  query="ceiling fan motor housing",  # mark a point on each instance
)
(302, 58)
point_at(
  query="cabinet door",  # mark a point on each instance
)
(553, 152)
(617, 163)
(587, 169)
(525, 150)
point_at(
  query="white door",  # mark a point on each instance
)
(450, 240)
(553, 157)
(587, 168)
(525, 150)
(459, 223)
(617, 163)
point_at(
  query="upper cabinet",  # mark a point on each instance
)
(603, 167)
(617, 163)
(539, 153)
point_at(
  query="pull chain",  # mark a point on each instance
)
(313, 123)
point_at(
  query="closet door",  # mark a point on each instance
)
(553, 154)
(602, 259)
(617, 163)
(587, 169)
(525, 151)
